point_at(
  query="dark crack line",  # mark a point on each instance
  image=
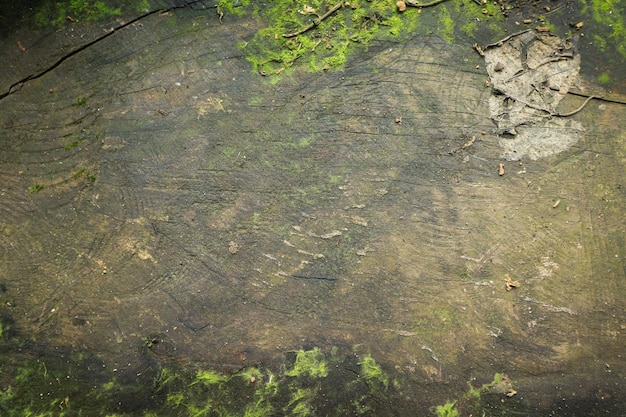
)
(316, 278)
(17, 86)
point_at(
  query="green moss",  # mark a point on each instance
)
(164, 378)
(175, 399)
(84, 173)
(80, 102)
(605, 78)
(35, 188)
(300, 402)
(6, 397)
(107, 386)
(73, 144)
(235, 7)
(309, 362)
(326, 44)
(329, 42)
(315, 384)
(475, 393)
(372, 371)
(62, 12)
(446, 25)
(259, 410)
(266, 385)
(251, 374)
(209, 377)
(610, 16)
(447, 410)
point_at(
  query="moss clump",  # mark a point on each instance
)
(208, 377)
(313, 384)
(320, 35)
(329, 41)
(35, 188)
(604, 78)
(447, 410)
(610, 15)
(300, 402)
(86, 174)
(309, 362)
(73, 144)
(446, 25)
(235, 7)
(372, 371)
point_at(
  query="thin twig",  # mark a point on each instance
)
(573, 112)
(315, 22)
(551, 113)
(414, 3)
(501, 41)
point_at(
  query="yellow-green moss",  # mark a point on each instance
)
(59, 13)
(610, 15)
(604, 78)
(309, 362)
(371, 371)
(209, 377)
(447, 410)
(446, 25)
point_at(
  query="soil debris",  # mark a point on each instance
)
(510, 284)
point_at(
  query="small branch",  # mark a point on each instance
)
(573, 112)
(551, 113)
(478, 49)
(316, 22)
(414, 3)
(501, 41)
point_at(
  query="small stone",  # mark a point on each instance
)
(233, 247)
(401, 5)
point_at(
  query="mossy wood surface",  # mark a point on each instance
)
(182, 233)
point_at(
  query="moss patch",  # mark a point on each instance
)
(610, 15)
(60, 13)
(337, 29)
(309, 362)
